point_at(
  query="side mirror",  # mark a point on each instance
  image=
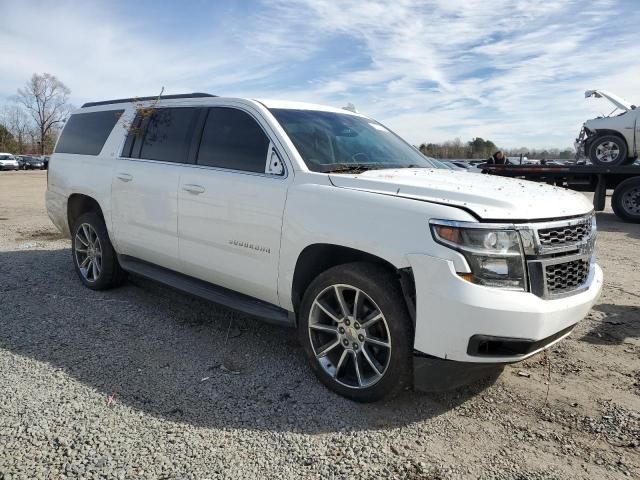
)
(274, 162)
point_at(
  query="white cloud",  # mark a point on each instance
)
(533, 61)
(100, 56)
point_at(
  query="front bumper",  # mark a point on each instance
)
(9, 167)
(432, 374)
(452, 314)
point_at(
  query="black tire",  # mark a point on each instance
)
(111, 274)
(597, 144)
(383, 289)
(626, 200)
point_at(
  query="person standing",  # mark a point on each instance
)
(498, 158)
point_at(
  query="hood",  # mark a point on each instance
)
(615, 100)
(488, 197)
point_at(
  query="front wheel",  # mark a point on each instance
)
(626, 200)
(356, 332)
(608, 151)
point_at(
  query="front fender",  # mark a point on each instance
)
(385, 226)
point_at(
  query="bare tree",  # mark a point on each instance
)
(19, 124)
(46, 99)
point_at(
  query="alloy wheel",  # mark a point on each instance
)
(349, 336)
(88, 252)
(607, 152)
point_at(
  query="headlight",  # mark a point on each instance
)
(495, 256)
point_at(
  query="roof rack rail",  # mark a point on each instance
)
(142, 99)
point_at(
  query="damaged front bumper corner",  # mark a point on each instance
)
(581, 144)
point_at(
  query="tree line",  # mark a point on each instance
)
(32, 120)
(479, 148)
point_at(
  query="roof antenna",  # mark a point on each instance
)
(350, 107)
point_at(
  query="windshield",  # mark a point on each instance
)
(335, 142)
(6, 157)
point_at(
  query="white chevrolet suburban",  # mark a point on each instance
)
(395, 271)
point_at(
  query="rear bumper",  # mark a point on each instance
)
(461, 321)
(57, 210)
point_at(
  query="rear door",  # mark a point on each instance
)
(230, 205)
(145, 185)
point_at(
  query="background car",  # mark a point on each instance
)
(35, 163)
(8, 162)
(30, 162)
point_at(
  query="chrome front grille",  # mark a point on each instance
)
(564, 235)
(559, 255)
(566, 277)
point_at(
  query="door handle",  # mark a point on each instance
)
(191, 188)
(125, 177)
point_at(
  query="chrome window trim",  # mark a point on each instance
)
(207, 167)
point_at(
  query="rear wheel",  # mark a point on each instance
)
(356, 331)
(94, 258)
(608, 151)
(626, 200)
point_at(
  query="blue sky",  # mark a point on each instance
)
(513, 71)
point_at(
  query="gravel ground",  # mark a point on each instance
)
(145, 382)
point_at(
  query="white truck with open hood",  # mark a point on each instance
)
(613, 139)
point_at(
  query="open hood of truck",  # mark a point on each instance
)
(617, 101)
(488, 197)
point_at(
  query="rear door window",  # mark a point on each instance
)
(85, 133)
(233, 139)
(168, 134)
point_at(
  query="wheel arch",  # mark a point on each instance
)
(601, 132)
(319, 257)
(79, 203)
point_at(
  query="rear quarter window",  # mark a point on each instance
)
(85, 133)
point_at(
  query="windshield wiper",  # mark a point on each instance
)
(350, 168)
(361, 167)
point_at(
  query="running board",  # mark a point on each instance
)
(214, 293)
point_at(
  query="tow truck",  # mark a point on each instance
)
(606, 159)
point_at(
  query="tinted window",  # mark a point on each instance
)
(168, 134)
(233, 139)
(134, 133)
(85, 133)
